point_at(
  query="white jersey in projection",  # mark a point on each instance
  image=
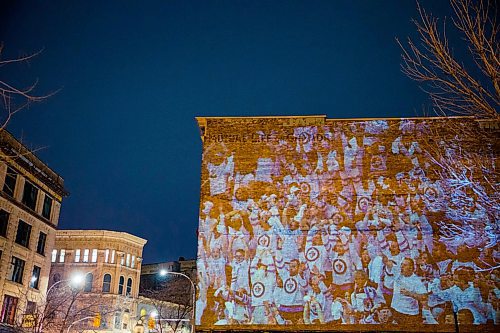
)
(219, 174)
(406, 304)
(263, 284)
(240, 276)
(343, 267)
(294, 288)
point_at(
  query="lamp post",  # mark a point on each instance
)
(164, 272)
(76, 280)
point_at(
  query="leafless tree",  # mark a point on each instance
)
(452, 87)
(15, 98)
(463, 151)
(172, 300)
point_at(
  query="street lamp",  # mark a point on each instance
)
(164, 272)
(76, 281)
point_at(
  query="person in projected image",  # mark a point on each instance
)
(294, 287)
(409, 294)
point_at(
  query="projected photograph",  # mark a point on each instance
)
(316, 222)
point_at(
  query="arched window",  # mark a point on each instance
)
(129, 286)
(121, 282)
(89, 278)
(106, 283)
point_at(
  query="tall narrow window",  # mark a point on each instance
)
(121, 282)
(106, 256)
(10, 182)
(61, 255)
(94, 255)
(106, 283)
(122, 260)
(4, 222)
(128, 260)
(23, 233)
(40, 248)
(29, 195)
(133, 262)
(35, 277)
(47, 207)
(113, 256)
(17, 270)
(54, 255)
(89, 278)
(77, 255)
(129, 286)
(85, 255)
(9, 310)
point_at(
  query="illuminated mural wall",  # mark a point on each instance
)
(314, 222)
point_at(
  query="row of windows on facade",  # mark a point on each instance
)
(109, 257)
(16, 272)
(30, 193)
(23, 233)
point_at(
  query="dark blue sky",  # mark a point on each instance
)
(134, 74)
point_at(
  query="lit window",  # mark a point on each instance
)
(94, 255)
(133, 262)
(61, 255)
(106, 255)
(77, 255)
(128, 260)
(113, 256)
(54, 255)
(86, 255)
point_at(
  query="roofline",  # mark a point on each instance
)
(324, 116)
(101, 233)
(44, 173)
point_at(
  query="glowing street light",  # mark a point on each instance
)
(163, 272)
(75, 281)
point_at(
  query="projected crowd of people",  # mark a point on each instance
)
(344, 224)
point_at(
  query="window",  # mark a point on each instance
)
(47, 207)
(40, 248)
(120, 285)
(61, 255)
(30, 307)
(128, 259)
(133, 262)
(17, 270)
(4, 222)
(106, 283)
(35, 277)
(54, 255)
(122, 260)
(23, 234)
(89, 278)
(86, 255)
(94, 255)
(106, 255)
(129, 286)
(113, 256)
(77, 255)
(10, 182)
(9, 309)
(29, 195)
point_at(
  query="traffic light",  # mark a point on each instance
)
(151, 323)
(97, 320)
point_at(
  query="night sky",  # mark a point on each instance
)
(132, 75)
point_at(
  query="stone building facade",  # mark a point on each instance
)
(110, 262)
(30, 202)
